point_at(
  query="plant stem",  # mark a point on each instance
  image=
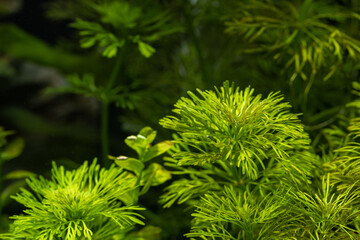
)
(105, 132)
(105, 108)
(206, 77)
(1, 183)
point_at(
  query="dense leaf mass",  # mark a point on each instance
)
(79, 204)
(237, 127)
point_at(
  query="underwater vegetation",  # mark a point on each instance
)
(155, 120)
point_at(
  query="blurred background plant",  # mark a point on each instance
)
(11, 182)
(121, 65)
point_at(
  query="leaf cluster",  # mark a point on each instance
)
(85, 203)
(122, 96)
(298, 34)
(10, 150)
(111, 24)
(282, 196)
(146, 175)
(235, 129)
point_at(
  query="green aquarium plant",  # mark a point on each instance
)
(80, 204)
(92, 202)
(301, 35)
(145, 175)
(307, 49)
(113, 27)
(236, 138)
(10, 182)
(248, 171)
(242, 164)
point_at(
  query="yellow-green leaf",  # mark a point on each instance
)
(157, 150)
(13, 149)
(131, 164)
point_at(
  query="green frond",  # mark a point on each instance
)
(93, 33)
(328, 214)
(184, 190)
(109, 25)
(233, 214)
(297, 34)
(235, 127)
(86, 85)
(76, 204)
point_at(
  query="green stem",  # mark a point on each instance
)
(116, 68)
(1, 183)
(105, 108)
(105, 133)
(206, 77)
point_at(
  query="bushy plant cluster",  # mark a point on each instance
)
(249, 173)
(245, 167)
(272, 154)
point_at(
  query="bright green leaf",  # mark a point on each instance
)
(145, 49)
(157, 150)
(154, 175)
(141, 141)
(131, 164)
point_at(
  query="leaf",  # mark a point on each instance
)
(19, 44)
(10, 190)
(157, 150)
(119, 13)
(17, 174)
(147, 233)
(130, 197)
(148, 133)
(93, 33)
(131, 164)
(154, 175)
(145, 49)
(141, 141)
(13, 149)
(3, 135)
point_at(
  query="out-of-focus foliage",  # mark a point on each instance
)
(83, 203)
(298, 34)
(20, 44)
(9, 151)
(111, 24)
(236, 153)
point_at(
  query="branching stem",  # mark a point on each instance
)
(206, 77)
(105, 108)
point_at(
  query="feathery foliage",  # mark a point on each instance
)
(109, 25)
(236, 128)
(272, 198)
(231, 137)
(239, 215)
(297, 34)
(328, 214)
(81, 204)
